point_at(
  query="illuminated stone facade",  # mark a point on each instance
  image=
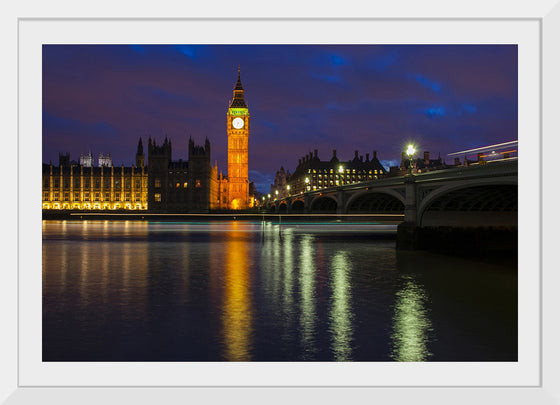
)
(78, 187)
(238, 149)
(182, 186)
(313, 174)
(162, 185)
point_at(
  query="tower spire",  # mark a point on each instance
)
(140, 149)
(238, 93)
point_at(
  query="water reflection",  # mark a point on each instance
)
(287, 293)
(341, 310)
(307, 288)
(411, 323)
(84, 272)
(238, 291)
(237, 316)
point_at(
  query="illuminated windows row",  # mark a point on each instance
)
(348, 171)
(93, 206)
(177, 184)
(96, 183)
(87, 197)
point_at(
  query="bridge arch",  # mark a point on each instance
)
(376, 200)
(282, 207)
(325, 204)
(298, 206)
(477, 203)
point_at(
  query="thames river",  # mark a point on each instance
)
(264, 291)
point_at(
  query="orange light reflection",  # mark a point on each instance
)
(237, 318)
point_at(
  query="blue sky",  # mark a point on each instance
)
(443, 98)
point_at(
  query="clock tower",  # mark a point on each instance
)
(238, 149)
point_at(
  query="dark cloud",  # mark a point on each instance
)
(444, 98)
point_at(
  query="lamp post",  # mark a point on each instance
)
(410, 152)
(288, 188)
(276, 194)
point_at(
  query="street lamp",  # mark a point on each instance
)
(410, 152)
(276, 194)
(307, 183)
(288, 188)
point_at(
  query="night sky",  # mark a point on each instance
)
(442, 98)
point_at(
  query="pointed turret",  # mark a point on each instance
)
(140, 158)
(238, 96)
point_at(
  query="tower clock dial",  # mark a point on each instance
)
(238, 123)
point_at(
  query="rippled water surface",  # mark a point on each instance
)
(260, 291)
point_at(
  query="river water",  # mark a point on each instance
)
(263, 291)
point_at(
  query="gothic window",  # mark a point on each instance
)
(46, 196)
(157, 183)
(56, 183)
(197, 183)
(157, 197)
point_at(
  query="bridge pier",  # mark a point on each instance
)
(408, 236)
(408, 232)
(340, 201)
(307, 204)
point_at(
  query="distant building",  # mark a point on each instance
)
(163, 184)
(181, 186)
(280, 184)
(71, 186)
(238, 150)
(86, 159)
(312, 173)
(419, 165)
(104, 160)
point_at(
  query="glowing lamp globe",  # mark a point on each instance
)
(410, 151)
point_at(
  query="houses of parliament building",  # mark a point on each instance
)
(163, 184)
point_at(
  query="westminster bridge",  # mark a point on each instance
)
(476, 196)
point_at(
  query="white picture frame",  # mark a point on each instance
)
(15, 386)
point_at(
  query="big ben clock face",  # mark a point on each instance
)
(238, 123)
